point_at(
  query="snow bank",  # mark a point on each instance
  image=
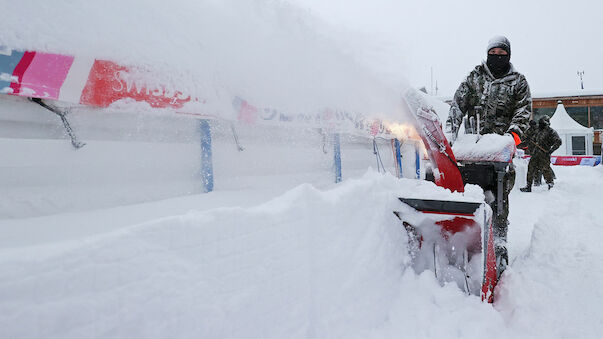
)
(551, 288)
(310, 263)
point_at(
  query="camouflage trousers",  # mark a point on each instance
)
(540, 164)
(497, 197)
(500, 223)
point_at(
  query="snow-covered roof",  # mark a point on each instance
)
(568, 93)
(563, 123)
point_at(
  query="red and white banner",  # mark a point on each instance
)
(574, 160)
(79, 80)
(100, 83)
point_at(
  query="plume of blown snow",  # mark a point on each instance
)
(269, 52)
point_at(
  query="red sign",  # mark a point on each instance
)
(109, 82)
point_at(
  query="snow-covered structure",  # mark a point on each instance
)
(576, 139)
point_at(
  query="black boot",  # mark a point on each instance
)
(526, 189)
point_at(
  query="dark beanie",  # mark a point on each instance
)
(500, 42)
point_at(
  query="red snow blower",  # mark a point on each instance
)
(454, 238)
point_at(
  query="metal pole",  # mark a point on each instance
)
(499, 195)
(207, 171)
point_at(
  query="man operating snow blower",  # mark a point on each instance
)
(493, 99)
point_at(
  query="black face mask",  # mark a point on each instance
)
(498, 64)
(542, 124)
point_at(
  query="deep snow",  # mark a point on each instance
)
(308, 263)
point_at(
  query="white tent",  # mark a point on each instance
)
(577, 139)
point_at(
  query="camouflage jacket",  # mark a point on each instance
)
(546, 141)
(528, 140)
(505, 103)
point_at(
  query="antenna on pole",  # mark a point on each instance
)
(580, 74)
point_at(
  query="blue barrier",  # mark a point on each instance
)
(398, 157)
(337, 157)
(207, 171)
(417, 162)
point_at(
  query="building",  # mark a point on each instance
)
(584, 106)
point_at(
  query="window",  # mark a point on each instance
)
(596, 117)
(540, 112)
(579, 145)
(580, 114)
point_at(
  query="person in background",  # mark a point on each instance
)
(546, 141)
(528, 143)
(498, 96)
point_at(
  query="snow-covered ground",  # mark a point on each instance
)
(309, 263)
(116, 240)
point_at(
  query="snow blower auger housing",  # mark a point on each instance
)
(453, 238)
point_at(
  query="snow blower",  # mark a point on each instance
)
(454, 238)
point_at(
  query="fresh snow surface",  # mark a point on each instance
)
(310, 263)
(487, 147)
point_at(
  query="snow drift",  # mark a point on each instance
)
(307, 264)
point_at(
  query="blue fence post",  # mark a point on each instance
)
(398, 157)
(207, 170)
(337, 157)
(417, 161)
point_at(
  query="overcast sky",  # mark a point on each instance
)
(550, 40)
